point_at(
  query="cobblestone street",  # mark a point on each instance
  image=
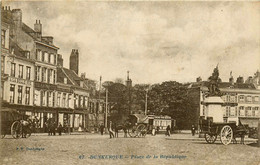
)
(97, 149)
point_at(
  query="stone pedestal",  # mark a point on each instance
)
(214, 108)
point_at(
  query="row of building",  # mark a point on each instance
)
(241, 99)
(34, 81)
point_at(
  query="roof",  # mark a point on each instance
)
(61, 75)
(73, 76)
(225, 85)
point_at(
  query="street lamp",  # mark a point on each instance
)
(146, 98)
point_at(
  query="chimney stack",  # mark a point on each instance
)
(17, 17)
(38, 28)
(74, 61)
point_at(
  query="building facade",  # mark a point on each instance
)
(241, 101)
(34, 81)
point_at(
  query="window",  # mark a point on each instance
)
(54, 77)
(65, 80)
(28, 73)
(53, 99)
(44, 74)
(241, 98)
(3, 33)
(46, 57)
(249, 111)
(49, 58)
(54, 56)
(38, 73)
(63, 99)
(28, 55)
(227, 111)
(27, 96)
(20, 92)
(12, 88)
(58, 99)
(50, 80)
(2, 65)
(43, 98)
(20, 75)
(38, 54)
(241, 111)
(42, 56)
(256, 99)
(249, 99)
(49, 99)
(13, 69)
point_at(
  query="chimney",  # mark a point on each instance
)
(17, 17)
(74, 61)
(38, 28)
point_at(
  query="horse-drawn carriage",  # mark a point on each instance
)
(137, 125)
(15, 124)
(227, 131)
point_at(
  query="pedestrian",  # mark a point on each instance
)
(111, 133)
(102, 129)
(193, 130)
(168, 131)
(116, 131)
(153, 131)
(60, 129)
(125, 131)
(157, 130)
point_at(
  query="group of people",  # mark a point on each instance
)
(50, 125)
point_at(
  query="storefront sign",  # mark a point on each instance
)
(45, 86)
(20, 81)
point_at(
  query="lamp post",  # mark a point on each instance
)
(146, 95)
(106, 109)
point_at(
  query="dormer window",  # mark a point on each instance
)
(81, 83)
(65, 80)
(27, 55)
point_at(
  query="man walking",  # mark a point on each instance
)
(111, 133)
(102, 129)
(193, 130)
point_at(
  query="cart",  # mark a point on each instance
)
(11, 124)
(226, 131)
(137, 125)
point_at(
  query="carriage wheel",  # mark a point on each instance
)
(210, 138)
(132, 131)
(226, 135)
(16, 129)
(141, 130)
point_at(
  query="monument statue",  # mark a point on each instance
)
(214, 80)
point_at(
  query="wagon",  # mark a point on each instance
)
(11, 124)
(226, 131)
(137, 125)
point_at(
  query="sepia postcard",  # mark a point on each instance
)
(130, 82)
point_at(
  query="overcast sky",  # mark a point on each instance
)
(155, 41)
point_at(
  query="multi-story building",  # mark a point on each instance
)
(32, 75)
(17, 74)
(241, 101)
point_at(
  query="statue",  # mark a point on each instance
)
(214, 80)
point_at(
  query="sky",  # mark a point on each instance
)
(155, 41)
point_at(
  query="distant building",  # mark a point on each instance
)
(241, 101)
